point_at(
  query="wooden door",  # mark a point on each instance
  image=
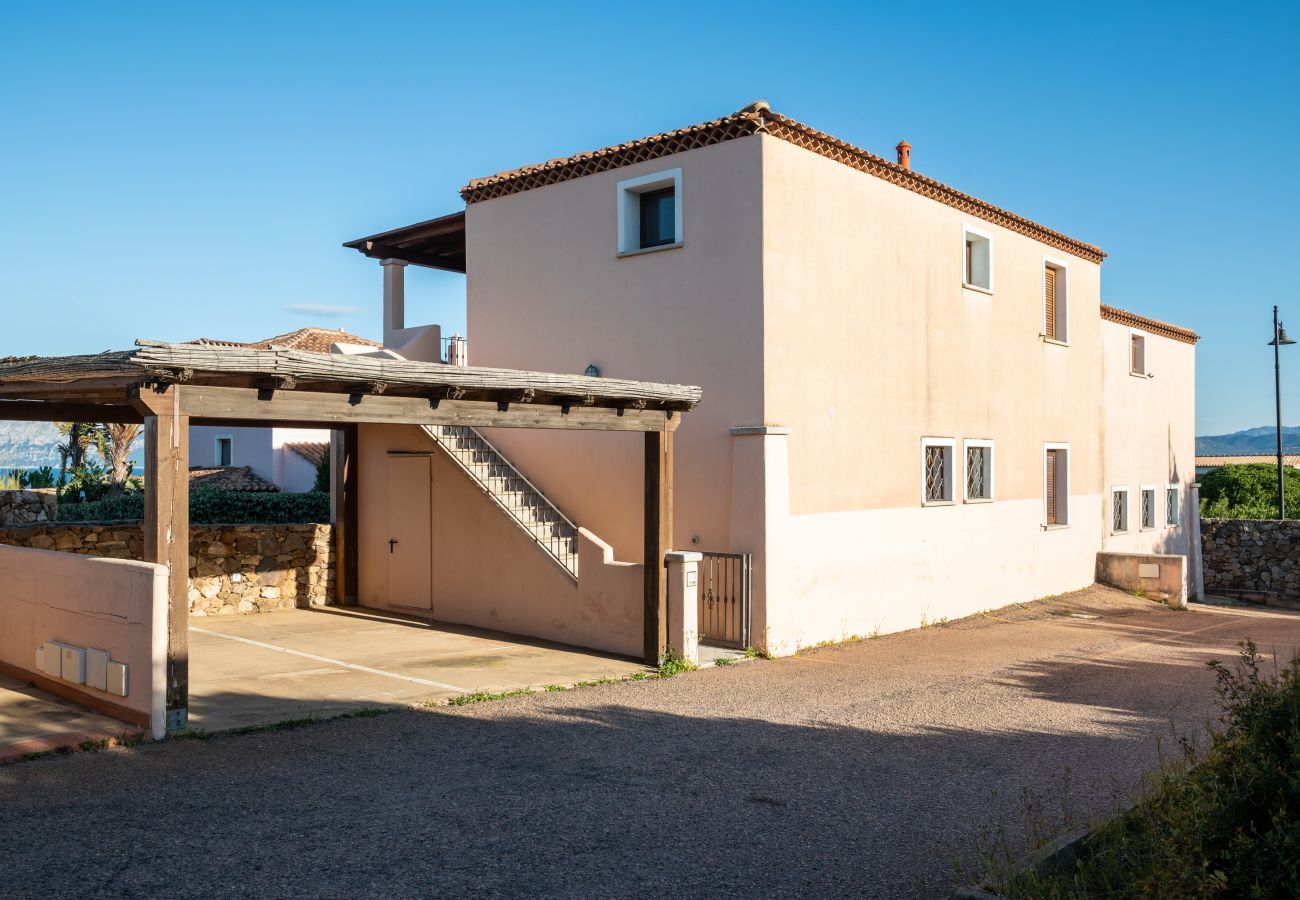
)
(410, 541)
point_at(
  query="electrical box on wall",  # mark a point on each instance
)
(117, 678)
(52, 659)
(74, 664)
(97, 669)
(78, 665)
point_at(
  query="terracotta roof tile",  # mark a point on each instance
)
(1154, 326)
(312, 451)
(757, 119)
(1288, 459)
(230, 478)
(314, 340)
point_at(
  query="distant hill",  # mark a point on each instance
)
(28, 444)
(1252, 440)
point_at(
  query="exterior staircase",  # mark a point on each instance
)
(511, 491)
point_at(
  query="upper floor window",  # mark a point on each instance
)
(650, 212)
(224, 450)
(1137, 354)
(1056, 301)
(977, 271)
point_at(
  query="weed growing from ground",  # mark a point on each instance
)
(673, 663)
(722, 661)
(486, 696)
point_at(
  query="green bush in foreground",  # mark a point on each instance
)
(211, 507)
(1226, 826)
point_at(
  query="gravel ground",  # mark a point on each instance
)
(870, 769)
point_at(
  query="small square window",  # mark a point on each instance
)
(650, 212)
(1119, 510)
(936, 470)
(1137, 356)
(1148, 511)
(977, 271)
(1056, 485)
(979, 470)
(1172, 505)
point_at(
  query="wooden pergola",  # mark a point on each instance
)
(168, 387)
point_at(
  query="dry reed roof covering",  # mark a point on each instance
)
(343, 373)
(757, 119)
(1152, 326)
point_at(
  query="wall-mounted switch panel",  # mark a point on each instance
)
(74, 664)
(117, 678)
(97, 669)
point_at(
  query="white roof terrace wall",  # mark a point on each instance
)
(548, 290)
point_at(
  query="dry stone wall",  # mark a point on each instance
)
(233, 568)
(1255, 558)
(28, 507)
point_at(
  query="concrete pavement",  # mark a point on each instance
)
(869, 769)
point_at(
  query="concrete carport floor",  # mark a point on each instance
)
(266, 668)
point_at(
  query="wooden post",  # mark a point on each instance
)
(345, 522)
(167, 530)
(658, 540)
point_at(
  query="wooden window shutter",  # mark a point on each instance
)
(1049, 300)
(1050, 482)
(970, 262)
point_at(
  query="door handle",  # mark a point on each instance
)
(392, 542)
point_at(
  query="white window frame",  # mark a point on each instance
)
(629, 210)
(950, 444)
(1146, 360)
(967, 230)
(216, 448)
(988, 476)
(1062, 300)
(1155, 510)
(1178, 511)
(1062, 497)
(1128, 508)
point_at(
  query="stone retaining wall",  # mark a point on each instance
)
(28, 507)
(233, 568)
(1252, 557)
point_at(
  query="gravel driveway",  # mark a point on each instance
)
(870, 769)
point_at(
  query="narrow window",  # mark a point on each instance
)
(224, 447)
(936, 470)
(1056, 300)
(1119, 510)
(658, 217)
(979, 470)
(1171, 505)
(1137, 354)
(1049, 302)
(977, 266)
(1056, 485)
(1148, 508)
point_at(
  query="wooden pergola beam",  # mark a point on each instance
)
(167, 530)
(58, 411)
(658, 541)
(216, 404)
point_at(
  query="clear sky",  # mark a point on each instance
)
(172, 171)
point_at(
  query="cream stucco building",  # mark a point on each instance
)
(916, 405)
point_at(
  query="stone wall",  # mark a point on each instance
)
(28, 507)
(233, 568)
(1254, 558)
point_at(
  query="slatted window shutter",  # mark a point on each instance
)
(1050, 481)
(970, 262)
(1049, 300)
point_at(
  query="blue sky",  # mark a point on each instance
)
(176, 171)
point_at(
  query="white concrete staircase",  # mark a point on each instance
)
(511, 491)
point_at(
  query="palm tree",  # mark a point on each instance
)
(72, 453)
(115, 446)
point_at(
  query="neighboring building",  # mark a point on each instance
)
(286, 457)
(1207, 464)
(916, 405)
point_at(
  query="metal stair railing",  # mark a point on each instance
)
(509, 489)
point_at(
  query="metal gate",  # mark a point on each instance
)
(725, 586)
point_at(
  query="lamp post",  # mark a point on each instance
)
(1279, 341)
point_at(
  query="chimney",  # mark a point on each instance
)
(904, 154)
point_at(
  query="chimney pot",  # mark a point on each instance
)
(904, 150)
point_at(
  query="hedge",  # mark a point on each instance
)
(211, 507)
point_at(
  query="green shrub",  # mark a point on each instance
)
(323, 472)
(1249, 492)
(1227, 825)
(210, 507)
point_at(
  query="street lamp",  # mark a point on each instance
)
(1279, 341)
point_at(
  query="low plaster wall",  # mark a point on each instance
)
(28, 507)
(1160, 574)
(114, 605)
(1257, 559)
(233, 568)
